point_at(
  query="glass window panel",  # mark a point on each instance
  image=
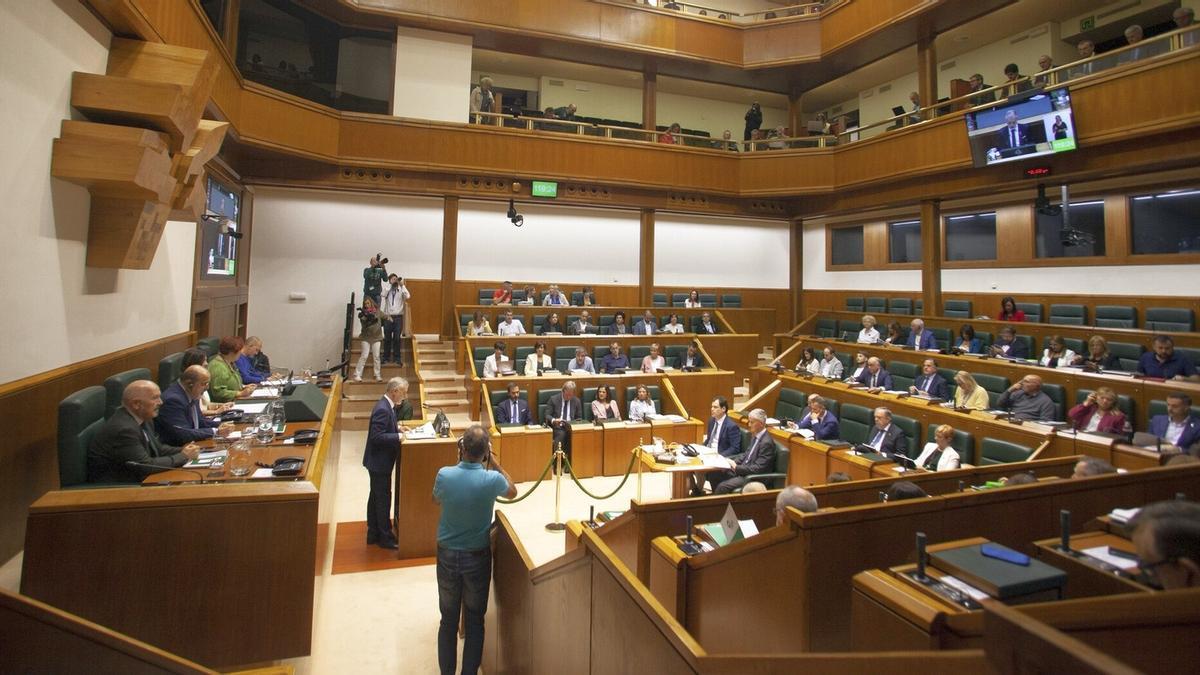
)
(1085, 236)
(904, 241)
(971, 237)
(847, 245)
(1166, 223)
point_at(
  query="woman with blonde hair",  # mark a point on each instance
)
(869, 335)
(969, 394)
(938, 455)
(1098, 412)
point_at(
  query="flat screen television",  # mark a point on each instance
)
(1032, 124)
(218, 249)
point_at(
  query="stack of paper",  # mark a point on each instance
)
(1123, 515)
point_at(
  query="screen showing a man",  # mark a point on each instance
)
(1019, 129)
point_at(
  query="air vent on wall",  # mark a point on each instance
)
(836, 110)
(1039, 31)
(948, 65)
(867, 94)
(554, 83)
(885, 88)
(1019, 39)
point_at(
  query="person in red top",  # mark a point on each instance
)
(503, 295)
(669, 136)
(1009, 311)
(1098, 413)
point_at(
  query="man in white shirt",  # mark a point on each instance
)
(394, 301)
(510, 326)
(831, 365)
(497, 362)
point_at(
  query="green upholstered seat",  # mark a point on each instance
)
(80, 416)
(856, 304)
(1127, 353)
(539, 413)
(1170, 319)
(876, 306)
(1124, 403)
(1159, 407)
(1028, 340)
(848, 328)
(1068, 314)
(677, 299)
(854, 422)
(827, 328)
(833, 406)
(481, 353)
(903, 374)
(659, 299)
(1116, 316)
(911, 429)
(1059, 396)
(114, 387)
(567, 352)
(995, 451)
(791, 404)
(731, 299)
(169, 369)
(985, 339)
(1033, 311)
(637, 353)
(520, 355)
(518, 294)
(919, 307)
(676, 353)
(778, 478)
(576, 298)
(957, 309)
(562, 365)
(209, 345)
(994, 384)
(963, 442)
(708, 299)
(485, 295)
(943, 335)
(605, 321)
(900, 306)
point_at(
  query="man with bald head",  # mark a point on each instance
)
(1026, 400)
(180, 420)
(126, 448)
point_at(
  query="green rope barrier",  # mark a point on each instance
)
(628, 470)
(533, 487)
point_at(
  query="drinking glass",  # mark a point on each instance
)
(240, 461)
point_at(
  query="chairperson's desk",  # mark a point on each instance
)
(221, 573)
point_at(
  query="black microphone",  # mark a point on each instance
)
(1064, 527)
(155, 468)
(441, 423)
(920, 556)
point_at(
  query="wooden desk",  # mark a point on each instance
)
(681, 472)
(143, 560)
(858, 466)
(262, 454)
(416, 513)
(524, 450)
(1089, 576)
(620, 438)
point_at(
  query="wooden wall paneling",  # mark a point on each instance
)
(931, 255)
(29, 408)
(875, 245)
(1014, 234)
(646, 259)
(851, 21)
(449, 326)
(768, 173)
(649, 96)
(777, 42)
(795, 276)
(1118, 237)
(927, 66)
(424, 313)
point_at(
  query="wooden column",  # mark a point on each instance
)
(796, 115)
(931, 256)
(449, 262)
(649, 96)
(927, 69)
(646, 266)
(796, 270)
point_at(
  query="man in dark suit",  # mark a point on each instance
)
(722, 434)
(562, 409)
(1179, 426)
(930, 382)
(379, 457)
(583, 325)
(817, 418)
(692, 358)
(707, 327)
(129, 437)
(977, 84)
(646, 325)
(512, 410)
(758, 458)
(1007, 344)
(886, 438)
(919, 338)
(180, 420)
(618, 326)
(874, 376)
(1017, 139)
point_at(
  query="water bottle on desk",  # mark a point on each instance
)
(266, 429)
(278, 415)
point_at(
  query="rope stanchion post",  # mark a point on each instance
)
(637, 457)
(557, 525)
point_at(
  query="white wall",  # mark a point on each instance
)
(1134, 279)
(57, 311)
(318, 243)
(711, 115)
(562, 244)
(433, 72)
(592, 99)
(725, 252)
(362, 67)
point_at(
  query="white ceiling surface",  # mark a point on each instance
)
(996, 25)
(486, 61)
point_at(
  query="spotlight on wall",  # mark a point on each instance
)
(223, 223)
(516, 218)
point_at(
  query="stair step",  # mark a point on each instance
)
(444, 389)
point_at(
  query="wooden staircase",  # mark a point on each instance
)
(444, 387)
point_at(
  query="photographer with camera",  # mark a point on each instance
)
(467, 493)
(370, 334)
(374, 276)
(394, 303)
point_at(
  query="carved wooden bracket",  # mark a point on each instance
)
(142, 155)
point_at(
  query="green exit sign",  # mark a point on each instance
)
(545, 188)
(1087, 23)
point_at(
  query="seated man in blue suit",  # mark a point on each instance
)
(1007, 345)
(819, 420)
(886, 438)
(758, 458)
(874, 376)
(1165, 363)
(1179, 426)
(930, 382)
(722, 434)
(919, 338)
(512, 410)
(646, 325)
(180, 420)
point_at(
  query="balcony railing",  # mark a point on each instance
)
(711, 11)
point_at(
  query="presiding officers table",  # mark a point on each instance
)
(221, 573)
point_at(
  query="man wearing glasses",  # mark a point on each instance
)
(1167, 537)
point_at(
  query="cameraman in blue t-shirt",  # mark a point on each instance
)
(467, 493)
